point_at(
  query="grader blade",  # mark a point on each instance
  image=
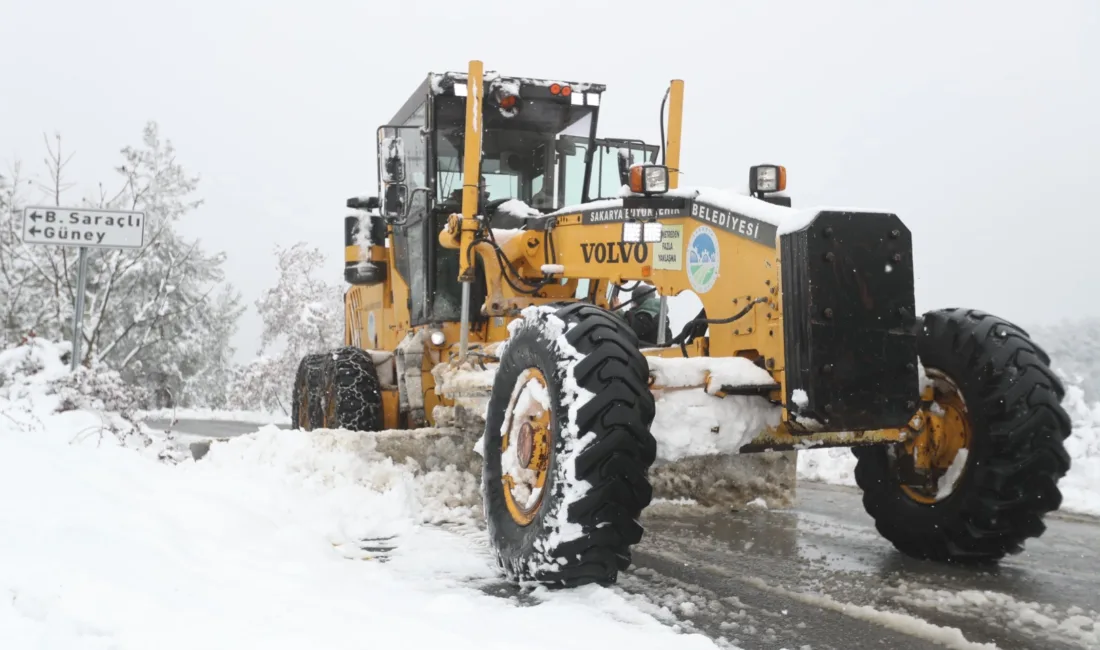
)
(706, 410)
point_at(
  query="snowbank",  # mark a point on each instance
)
(1080, 487)
(277, 539)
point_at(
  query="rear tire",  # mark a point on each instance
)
(306, 408)
(1016, 455)
(352, 391)
(600, 447)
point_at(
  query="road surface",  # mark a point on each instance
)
(819, 576)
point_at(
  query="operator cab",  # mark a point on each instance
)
(539, 147)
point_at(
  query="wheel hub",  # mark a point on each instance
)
(931, 462)
(525, 446)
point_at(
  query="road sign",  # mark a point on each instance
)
(83, 227)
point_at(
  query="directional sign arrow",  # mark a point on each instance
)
(34, 230)
(35, 217)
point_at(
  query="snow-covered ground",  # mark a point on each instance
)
(1080, 487)
(278, 539)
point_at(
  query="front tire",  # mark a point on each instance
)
(1015, 427)
(582, 431)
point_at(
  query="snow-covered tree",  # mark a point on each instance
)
(1074, 349)
(302, 314)
(21, 310)
(150, 314)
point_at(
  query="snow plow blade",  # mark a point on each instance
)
(697, 457)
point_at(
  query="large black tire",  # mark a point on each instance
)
(600, 446)
(307, 410)
(1016, 454)
(352, 391)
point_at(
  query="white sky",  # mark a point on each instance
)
(953, 115)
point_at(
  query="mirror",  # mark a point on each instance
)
(626, 159)
(363, 203)
(393, 165)
(397, 195)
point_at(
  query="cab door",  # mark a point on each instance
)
(403, 186)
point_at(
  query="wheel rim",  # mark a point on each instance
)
(525, 446)
(931, 463)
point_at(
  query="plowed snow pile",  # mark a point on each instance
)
(109, 539)
(1080, 487)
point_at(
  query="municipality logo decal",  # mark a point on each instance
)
(703, 259)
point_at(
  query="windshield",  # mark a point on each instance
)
(536, 157)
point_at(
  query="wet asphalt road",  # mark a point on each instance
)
(212, 429)
(815, 574)
(819, 576)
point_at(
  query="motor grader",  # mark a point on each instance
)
(509, 242)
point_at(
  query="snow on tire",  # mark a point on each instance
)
(352, 391)
(1008, 479)
(567, 447)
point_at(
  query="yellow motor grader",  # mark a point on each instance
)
(501, 275)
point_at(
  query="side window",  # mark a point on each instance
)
(572, 172)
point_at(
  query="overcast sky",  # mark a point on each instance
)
(978, 123)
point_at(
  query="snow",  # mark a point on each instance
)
(723, 371)
(518, 209)
(800, 398)
(553, 268)
(276, 539)
(946, 484)
(1081, 486)
(732, 201)
(505, 235)
(602, 204)
(950, 637)
(689, 422)
(797, 221)
(1038, 620)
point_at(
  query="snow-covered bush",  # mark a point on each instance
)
(261, 385)
(98, 389)
(40, 395)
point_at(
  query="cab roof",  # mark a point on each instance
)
(442, 83)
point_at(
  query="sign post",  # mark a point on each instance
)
(82, 228)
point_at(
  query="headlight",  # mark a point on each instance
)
(649, 179)
(637, 232)
(767, 178)
(438, 338)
